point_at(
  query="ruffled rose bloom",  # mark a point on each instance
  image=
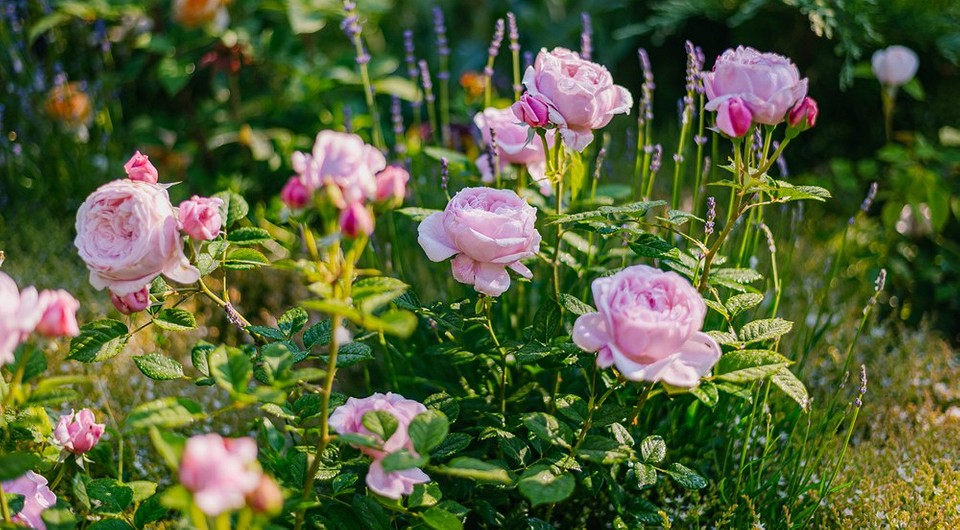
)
(131, 303)
(220, 472)
(767, 83)
(59, 314)
(348, 418)
(344, 164)
(648, 324)
(127, 235)
(512, 146)
(78, 432)
(20, 311)
(894, 66)
(488, 230)
(139, 167)
(200, 217)
(580, 94)
(37, 497)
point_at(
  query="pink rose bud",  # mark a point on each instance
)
(267, 497)
(131, 303)
(37, 497)
(140, 168)
(220, 472)
(78, 432)
(734, 118)
(354, 219)
(804, 114)
(200, 217)
(294, 194)
(392, 184)
(532, 111)
(894, 66)
(59, 314)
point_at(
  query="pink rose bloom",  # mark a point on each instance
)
(396, 484)
(733, 117)
(512, 146)
(140, 168)
(127, 234)
(488, 230)
(294, 194)
(37, 497)
(804, 113)
(200, 217)
(531, 110)
(20, 312)
(78, 432)
(344, 164)
(648, 324)
(767, 83)
(356, 219)
(392, 184)
(580, 94)
(59, 314)
(219, 471)
(894, 66)
(131, 302)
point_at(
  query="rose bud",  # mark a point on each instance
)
(354, 219)
(392, 184)
(78, 432)
(140, 168)
(294, 194)
(894, 66)
(804, 114)
(131, 303)
(59, 314)
(734, 118)
(200, 217)
(532, 111)
(267, 497)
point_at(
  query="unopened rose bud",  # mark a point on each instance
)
(356, 219)
(803, 114)
(59, 314)
(200, 217)
(532, 111)
(266, 497)
(392, 184)
(734, 118)
(131, 303)
(894, 66)
(294, 194)
(140, 168)
(78, 432)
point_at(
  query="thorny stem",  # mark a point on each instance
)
(487, 305)
(641, 401)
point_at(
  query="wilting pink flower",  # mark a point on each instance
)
(78, 432)
(342, 163)
(512, 145)
(219, 471)
(356, 219)
(294, 194)
(20, 311)
(131, 302)
(580, 94)
(392, 184)
(127, 235)
(531, 110)
(804, 113)
(37, 497)
(140, 168)
(894, 66)
(59, 314)
(395, 484)
(488, 230)
(733, 117)
(767, 83)
(648, 324)
(266, 497)
(200, 217)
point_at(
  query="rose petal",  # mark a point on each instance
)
(590, 332)
(492, 279)
(433, 238)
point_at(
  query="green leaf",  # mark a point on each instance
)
(417, 214)
(173, 74)
(110, 524)
(402, 459)
(717, 306)
(577, 175)
(572, 407)
(150, 511)
(575, 305)
(174, 320)
(198, 356)
(548, 428)
(306, 16)
(743, 366)
(14, 464)
(292, 321)
(735, 275)
(397, 322)
(234, 207)
(370, 294)
(112, 496)
(244, 259)
(424, 495)
(169, 413)
(231, 368)
(451, 445)
(353, 353)
(428, 430)
(634, 209)
(380, 423)
(541, 485)
(478, 470)
(142, 489)
(742, 302)
(707, 393)
(453, 157)
(248, 235)
(169, 445)
(679, 218)
(792, 386)
(317, 334)
(766, 329)
(440, 519)
(547, 321)
(266, 332)
(158, 367)
(98, 341)
(653, 449)
(651, 246)
(58, 517)
(685, 477)
(603, 450)
(646, 475)
(30, 361)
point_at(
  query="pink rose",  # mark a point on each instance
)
(531, 110)
(200, 217)
(356, 219)
(648, 324)
(395, 484)
(219, 471)
(131, 302)
(894, 66)
(342, 163)
(37, 497)
(733, 117)
(392, 184)
(488, 230)
(59, 314)
(127, 235)
(512, 146)
(20, 312)
(580, 94)
(140, 168)
(266, 497)
(767, 83)
(294, 194)
(78, 432)
(804, 114)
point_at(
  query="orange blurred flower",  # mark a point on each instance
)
(70, 105)
(193, 13)
(472, 83)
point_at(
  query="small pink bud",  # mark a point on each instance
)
(267, 497)
(200, 217)
(532, 111)
(140, 168)
(803, 114)
(354, 219)
(734, 118)
(294, 194)
(392, 184)
(59, 314)
(131, 303)
(78, 432)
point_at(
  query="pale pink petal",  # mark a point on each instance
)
(396, 484)
(492, 279)
(521, 269)
(433, 238)
(590, 332)
(575, 140)
(464, 269)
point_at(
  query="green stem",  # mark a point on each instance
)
(4, 508)
(220, 302)
(444, 81)
(487, 305)
(641, 401)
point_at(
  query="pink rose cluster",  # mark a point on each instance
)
(128, 233)
(747, 87)
(350, 173)
(575, 95)
(648, 325)
(78, 432)
(223, 474)
(512, 146)
(37, 497)
(348, 418)
(22, 312)
(489, 231)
